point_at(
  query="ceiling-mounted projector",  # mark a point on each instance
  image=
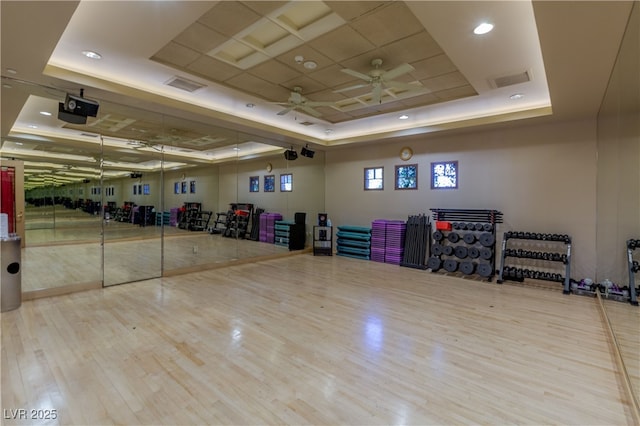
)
(306, 152)
(76, 109)
(290, 154)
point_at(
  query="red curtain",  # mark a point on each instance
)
(7, 196)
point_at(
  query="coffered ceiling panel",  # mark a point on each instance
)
(273, 47)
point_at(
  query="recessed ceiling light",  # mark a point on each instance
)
(403, 117)
(516, 96)
(47, 113)
(12, 71)
(483, 28)
(310, 65)
(33, 126)
(91, 54)
(236, 149)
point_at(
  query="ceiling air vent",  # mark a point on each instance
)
(184, 84)
(510, 80)
(307, 123)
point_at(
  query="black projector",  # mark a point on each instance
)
(76, 109)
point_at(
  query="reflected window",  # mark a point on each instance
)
(407, 177)
(254, 184)
(444, 175)
(373, 178)
(192, 187)
(286, 182)
(269, 183)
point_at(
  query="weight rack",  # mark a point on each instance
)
(480, 226)
(634, 268)
(547, 240)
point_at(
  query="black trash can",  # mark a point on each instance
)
(11, 295)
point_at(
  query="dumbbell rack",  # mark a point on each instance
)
(543, 270)
(634, 268)
(464, 240)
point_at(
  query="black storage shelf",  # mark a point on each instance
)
(634, 268)
(556, 250)
(322, 240)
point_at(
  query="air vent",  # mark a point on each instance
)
(90, 135)
(510, 80)
(184, 84)
(307, 123)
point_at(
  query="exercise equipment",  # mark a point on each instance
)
(465, 252)
(434, 263)
(450, 265)
(460, 252)
(468, 267)
(546, 252)
(634, 267)
(416, 242)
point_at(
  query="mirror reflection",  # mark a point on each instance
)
(137, 194)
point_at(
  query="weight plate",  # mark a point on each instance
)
(484, 270)
(455, 225)
(486, 253)
(470, 226)
(447, 250)
(469, 238)
(473, 252)
(467, 268)
(438, 236)
(451, 265)
(434, 264)
(436, 249)
(461, 252)
(487, 227)
(479, 227)
(487, 239)
(453, 237)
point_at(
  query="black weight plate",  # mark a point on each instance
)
(467, 268)
(473, 252)
(487, 239)
(469, 238)
(438, 236)
(470, 226)
(486, 253)
(450, 265)
(436, 249)
(479, 227)
(453, 237)
(487, 227)
(434, 264)
(484, 270)
(461, 252)
(447, 250)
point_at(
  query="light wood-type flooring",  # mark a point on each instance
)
(312, 340)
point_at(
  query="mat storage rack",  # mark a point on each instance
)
(464, 241)
(540, 256)
(353, 241)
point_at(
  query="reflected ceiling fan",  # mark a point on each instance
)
(380, 79)
(298, 102)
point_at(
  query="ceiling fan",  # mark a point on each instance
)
(379, 79)
(299, 102)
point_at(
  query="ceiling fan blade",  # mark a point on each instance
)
(310, 110)
(346, 89)
(377, 94)
(356, 74)
(402, 86)
(286, 110)
(318, 103)
(398, 71)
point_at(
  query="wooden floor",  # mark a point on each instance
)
(311, 340)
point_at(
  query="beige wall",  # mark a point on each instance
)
(542, 177)
(618, 148)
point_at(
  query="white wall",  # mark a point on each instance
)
(541, 177)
